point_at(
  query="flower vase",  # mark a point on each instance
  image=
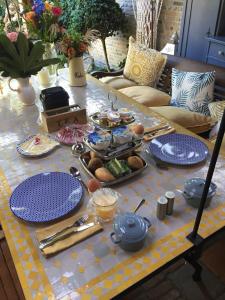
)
(25, 90)
(77, 76)
(48, 75)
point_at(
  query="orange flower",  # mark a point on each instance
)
(82, 47)
(48, 6)
(71, 52)
(30, 16)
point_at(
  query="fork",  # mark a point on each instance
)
(77, 223)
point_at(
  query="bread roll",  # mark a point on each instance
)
(103, 174)
(93, 154)
(135, 162)
(94, 164)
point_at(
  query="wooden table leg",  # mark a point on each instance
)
(10, 287)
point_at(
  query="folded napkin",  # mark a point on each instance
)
(156, 133)
(160, 126)
(70, 240)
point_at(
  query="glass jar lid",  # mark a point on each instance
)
(105, 197)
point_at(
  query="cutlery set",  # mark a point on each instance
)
(151, 134)
(63, 235)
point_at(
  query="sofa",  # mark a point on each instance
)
(158, 99)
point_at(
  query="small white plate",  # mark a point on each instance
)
(23, 152)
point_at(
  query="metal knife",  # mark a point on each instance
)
(65, 234)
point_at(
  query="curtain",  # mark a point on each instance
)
(147, 14)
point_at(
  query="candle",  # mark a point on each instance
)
(43, 77)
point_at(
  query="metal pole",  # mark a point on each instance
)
(193, 235)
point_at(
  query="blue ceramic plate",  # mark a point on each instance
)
(46, 197)
(178, 149)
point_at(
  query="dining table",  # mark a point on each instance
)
(96, 268)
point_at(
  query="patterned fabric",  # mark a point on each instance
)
(217, 109)
(143, 65)
(192, 91)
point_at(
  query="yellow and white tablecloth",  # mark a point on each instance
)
(96, 268)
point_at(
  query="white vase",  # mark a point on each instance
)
(77, 76)
(25, 90)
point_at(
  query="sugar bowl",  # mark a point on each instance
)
(130, 231)
(193, 189)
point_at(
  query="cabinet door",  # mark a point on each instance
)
(199, 16)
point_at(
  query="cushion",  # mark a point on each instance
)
(147, 95)
(195, 122)
(216, 109)
(143, 65)
(223, 143)
(117, 82)
(192, 91)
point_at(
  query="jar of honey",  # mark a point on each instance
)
(105, 204)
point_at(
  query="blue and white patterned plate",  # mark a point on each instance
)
(178, 149)
(21, 151)
(46, 197)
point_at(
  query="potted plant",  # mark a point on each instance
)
(105, 16)
(73, 45)
(19, 59)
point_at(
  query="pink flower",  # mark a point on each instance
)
(12, 36)
(57, 11)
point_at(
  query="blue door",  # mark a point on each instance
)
(199, 16)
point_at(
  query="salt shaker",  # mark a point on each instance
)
(170, 196)
(161, 208)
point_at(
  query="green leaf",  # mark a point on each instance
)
(23, 47)
(22, 59)
(36, 54)
(11, 62)
(8, 46)
(11, 71)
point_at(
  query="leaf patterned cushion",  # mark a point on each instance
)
(216, 109)
(192, 91)
(143, 65)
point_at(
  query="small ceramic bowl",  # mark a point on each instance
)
(122, 135)
(130, 231)
(124, 113)
(101, 145)
(99, 141)
(193, 189)
(113, 116)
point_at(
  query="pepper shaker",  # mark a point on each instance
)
(161, 208)
(170, 196)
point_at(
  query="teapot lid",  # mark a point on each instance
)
(130, 227)
(195, 186)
